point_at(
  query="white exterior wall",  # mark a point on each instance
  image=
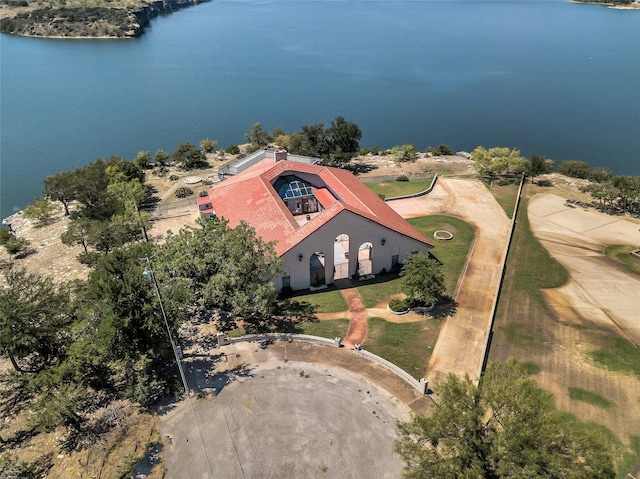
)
(360, 230)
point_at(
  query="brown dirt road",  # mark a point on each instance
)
(461, 344)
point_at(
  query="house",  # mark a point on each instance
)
(325, 223)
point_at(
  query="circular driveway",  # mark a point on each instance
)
(267, 416)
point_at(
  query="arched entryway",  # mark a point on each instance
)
(316, 269)
(365, 256)
(341, 257)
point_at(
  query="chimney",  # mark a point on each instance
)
(281, 155)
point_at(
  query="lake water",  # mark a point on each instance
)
(548, 77)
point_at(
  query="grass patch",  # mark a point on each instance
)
(407, 345)
(535, 267)
(516, 334)
(530, 368)
(589, 397)
(620, 254)
(327, 301)
(618, 355)
(506, 196)
(452, 253)
(375, 290)
(390, 189)
(327, 329)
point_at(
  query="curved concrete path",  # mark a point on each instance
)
(599, 291)
(461, 344)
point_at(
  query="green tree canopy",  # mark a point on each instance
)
(35, 317)
(62, 187)
(403, 153)
(188, 156)
(499, 161)
(506, 427)
(423, 280)
(574, 168)
(208, 145)
(540, 166)
(229, 268)
(343, 137)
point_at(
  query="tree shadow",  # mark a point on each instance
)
(207, 380)
(358, 168)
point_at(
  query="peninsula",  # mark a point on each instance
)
(74, 19)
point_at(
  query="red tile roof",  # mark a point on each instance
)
(249, 196)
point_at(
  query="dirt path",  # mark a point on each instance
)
(598, 293)
(461, 344)
(357, 317)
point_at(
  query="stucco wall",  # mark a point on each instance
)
(360, 230)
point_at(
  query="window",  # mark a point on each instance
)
(286, 281)
(395, 259)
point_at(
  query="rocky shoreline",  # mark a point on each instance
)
(100, 21)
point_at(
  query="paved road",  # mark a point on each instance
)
(599, 291)
(461, 344)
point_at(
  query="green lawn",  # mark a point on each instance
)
(390, 189)
(589, 397)
(620, 254)
(539, 270)
(452, 253)
(506, 195)
(407, 345)
(326, 301)
(375, 290)
(327, 329)
(618, 355)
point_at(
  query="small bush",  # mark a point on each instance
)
(233, 149)
(174, 178)
(397, 305)
(183, 192)
(402, 178)
(207, 182)
(15, 245)
(5, 235)
(202, 194)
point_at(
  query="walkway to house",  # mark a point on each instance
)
(357, 318)
(461, 344)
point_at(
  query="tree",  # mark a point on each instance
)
(499, 161)
(208, 145)
(628, 189)
(423, 280)
(599, 174)
(444, 150)
(310, 141)
(540, 166)
(189, 157)
(35, 317)
(506, 427)
(404, 153)
(143, 160)
(77, 233)
(160, 158)
(62, 187)
(40, 211)
(229, 268)
(258, 137)
(574, 169)
(343, 137)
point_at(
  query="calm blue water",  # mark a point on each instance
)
(549, 77)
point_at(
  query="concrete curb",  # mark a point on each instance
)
(418, 194)
(422, 385)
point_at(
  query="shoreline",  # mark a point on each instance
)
(614, 6)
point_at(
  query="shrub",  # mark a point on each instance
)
(397, 305)
(15, 245)
(174, 178)
(402, 178)
(5, 235)
(202, 194)
(89, 258)
(574, 169)
(183, 192)
(233, 149)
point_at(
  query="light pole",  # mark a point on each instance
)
(149, 275)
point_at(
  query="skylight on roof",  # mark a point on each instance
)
(293, 187)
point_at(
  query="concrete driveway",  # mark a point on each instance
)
(599, 291)
(290, 410)
(461, 344)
